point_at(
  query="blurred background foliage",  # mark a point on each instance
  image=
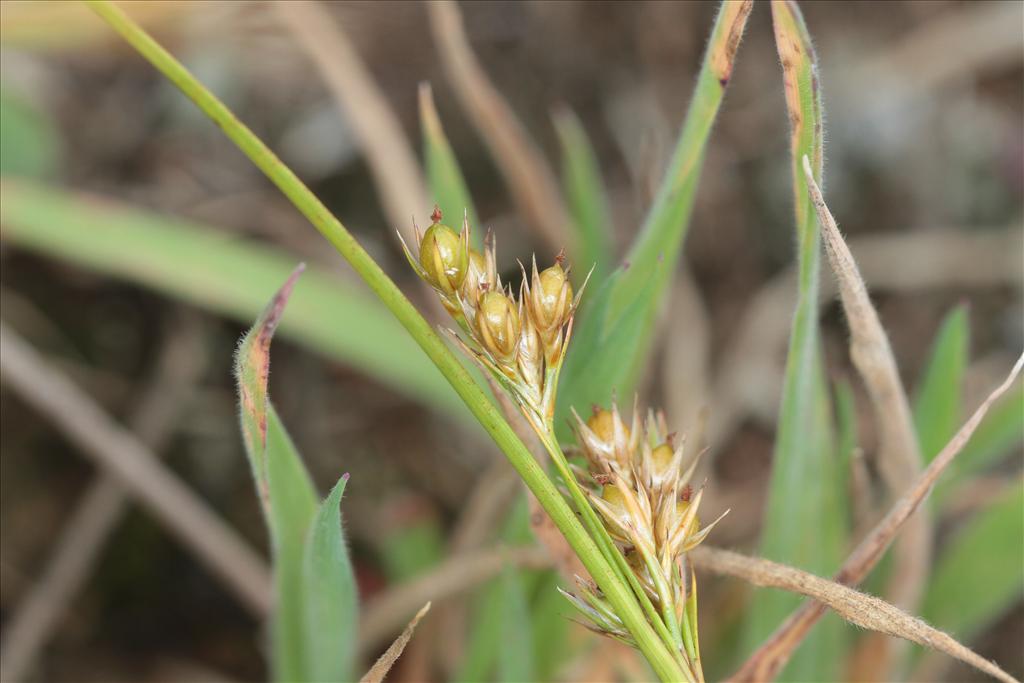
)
(128, 221)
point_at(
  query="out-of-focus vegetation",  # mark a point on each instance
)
(111, 185)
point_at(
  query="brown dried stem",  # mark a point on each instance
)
(121, 453)
(454, 576)
(396, 171)
(773, 654)
(530, 179)
(81, 540)
(899, 458)
(855, 607)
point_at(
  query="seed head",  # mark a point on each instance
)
(497, 322)
(551, 300)
(444, 258)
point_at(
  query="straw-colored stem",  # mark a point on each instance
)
(618, 593)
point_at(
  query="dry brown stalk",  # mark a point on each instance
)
(899, 458)
(383, 665)
(906, 261)
(858, 608)
(396, 171)
(455, 575)
(530, 179)
(121, 453)
(80, 542)
(772, 655)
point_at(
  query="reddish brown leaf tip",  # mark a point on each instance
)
(436, 216)
(275, 309)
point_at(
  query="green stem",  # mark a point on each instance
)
(600, 535)
(668, 610)
(618, 594)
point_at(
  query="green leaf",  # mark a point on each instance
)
(225, 275)
(331, 597)
(447, 183)
(611, 352)
(484, 635)
(638, 289)
(805, 520)
(978, 575)
(412, 549)
(937, 407)
(29, 142)
(846, 436)
(486, 630)
(588, 203)
(997, 436)
(285, 490)
(515, 652)
(552, 647)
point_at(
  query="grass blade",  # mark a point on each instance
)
(331, 598)
(860, 609)
(29, 142)
(606, 576)
(631, 297)
(527, 174)
(285, 491)
(937, 408)
(227, 276)
(772, 655)
(998, 435)
(447, 184)
(970, 588)
(515, 651)
(588, 203)
(805, 519)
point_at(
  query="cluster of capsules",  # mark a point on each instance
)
(521, 340)
(636, 481)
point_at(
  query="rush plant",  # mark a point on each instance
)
(621, 496)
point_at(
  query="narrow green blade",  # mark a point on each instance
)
(447, 184)
(515, 651)
(283, 485)
(938, 406)
(638, 288)
(805, 520)
(225, 275)
(588, 203)
(331, 597)
(978, 575)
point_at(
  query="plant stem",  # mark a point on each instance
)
(604, 541)
(618, 594)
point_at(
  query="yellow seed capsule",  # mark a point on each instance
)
(602, 424)
(444, 258)
(612, 495)
(661, 457)
(551, 301)
(497, 322)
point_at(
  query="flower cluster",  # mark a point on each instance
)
(636, 482)
(520, 340)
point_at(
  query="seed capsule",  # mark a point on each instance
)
(551, 298)
(497, 322)
(661, 458)
(444, 258)
(602, 423)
